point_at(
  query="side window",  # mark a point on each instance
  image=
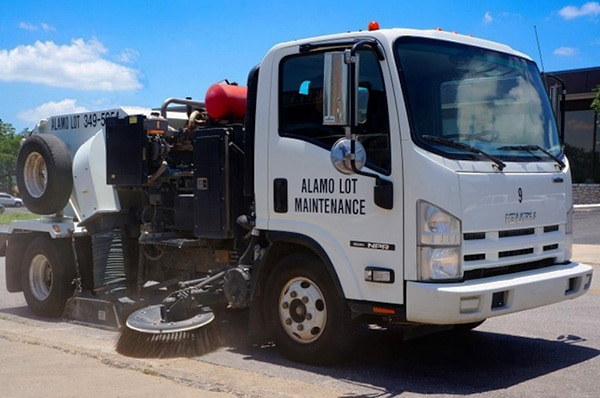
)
(301, 106)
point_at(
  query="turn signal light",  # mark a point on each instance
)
(380, 275)
(384, 311)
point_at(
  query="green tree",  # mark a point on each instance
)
(9, 149)
(581, 163)
(596, 102)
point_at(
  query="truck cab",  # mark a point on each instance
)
(479, 220)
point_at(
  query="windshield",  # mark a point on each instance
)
(488, 100)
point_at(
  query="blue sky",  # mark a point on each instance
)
(64, 56)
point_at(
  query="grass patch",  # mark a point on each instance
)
(7, 218)
(150, 372)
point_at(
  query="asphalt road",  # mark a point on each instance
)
(552, 351)
(586, 226)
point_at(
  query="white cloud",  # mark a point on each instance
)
(31, 27)
(32, 116)
(565, 52)
(503, 17)
(128, 55)
(27, 26)
(590, 9)
(487, 18)
(47, 28)
(78, 65)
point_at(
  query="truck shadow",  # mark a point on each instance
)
(381, 365)
(444, 363)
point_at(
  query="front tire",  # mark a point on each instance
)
(47, 275)
(305, 315)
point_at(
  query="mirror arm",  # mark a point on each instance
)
(383, 191)
(351, 60)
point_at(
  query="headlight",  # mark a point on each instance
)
(437, 227)
(439, 240)
(440, 263)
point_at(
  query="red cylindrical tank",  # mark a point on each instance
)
(226, 101)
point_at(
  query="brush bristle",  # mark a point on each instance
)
(192, 343)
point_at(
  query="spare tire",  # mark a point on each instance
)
(44, 174)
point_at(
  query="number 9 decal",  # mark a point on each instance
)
(520, 193)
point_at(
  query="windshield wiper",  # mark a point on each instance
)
(455, 144)
(531, 148)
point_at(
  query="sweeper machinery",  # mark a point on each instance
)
(390, 176)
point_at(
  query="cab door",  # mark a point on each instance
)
(309, 199)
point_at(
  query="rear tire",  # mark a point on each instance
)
(304, 313)
(44, 174)
(47, 275)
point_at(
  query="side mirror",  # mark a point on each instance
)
(341, 155)
(335, 90)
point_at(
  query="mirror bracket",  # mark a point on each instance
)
(340, 108)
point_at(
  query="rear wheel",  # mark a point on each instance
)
(47, 275)
(306, 316)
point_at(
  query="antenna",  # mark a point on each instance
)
(537, 40)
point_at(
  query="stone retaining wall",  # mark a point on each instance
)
(585, 194)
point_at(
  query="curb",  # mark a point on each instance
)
(588, 206)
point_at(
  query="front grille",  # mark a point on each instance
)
(510, 269)
(513, 250)
(474, 257)
(513, 253)
(516, 232)
(474, 236)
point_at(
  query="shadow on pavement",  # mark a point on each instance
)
(444, 363)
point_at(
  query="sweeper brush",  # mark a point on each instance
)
(178, 327)
(159, 331)
(189, 343)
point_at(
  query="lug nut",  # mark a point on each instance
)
(293, 294)
(300, 328)
(305, 299)
(288, 321)
(285, 305)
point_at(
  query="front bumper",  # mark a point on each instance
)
(476, 300)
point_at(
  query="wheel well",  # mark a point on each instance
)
(15, 250)
(281, 244)
(284, 244)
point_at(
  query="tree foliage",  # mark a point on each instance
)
(581, 163)
(596, 102)
(9, 149)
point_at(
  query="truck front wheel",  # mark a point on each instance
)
(306, 316)
(47, 275)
